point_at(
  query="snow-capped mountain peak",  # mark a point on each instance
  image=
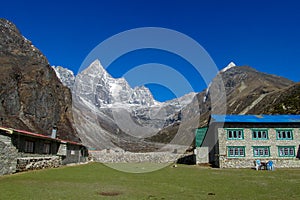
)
(96, 69)
(106, 106)
(229, 66)
(97, 86)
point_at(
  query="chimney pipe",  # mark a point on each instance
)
(54, 130)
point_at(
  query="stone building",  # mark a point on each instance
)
(22, 150)
(236, 141)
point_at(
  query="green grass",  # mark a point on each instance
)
(96, 181)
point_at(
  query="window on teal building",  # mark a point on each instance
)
(260, 151)
(260, 134)
(284, 134)
(286, 151)
(236, 151)
(235, 134)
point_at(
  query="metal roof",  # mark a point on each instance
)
(256, 118)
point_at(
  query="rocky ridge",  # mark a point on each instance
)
(32, 98)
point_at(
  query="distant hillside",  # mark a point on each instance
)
(285, 101)
(247, 91)
(246, 87)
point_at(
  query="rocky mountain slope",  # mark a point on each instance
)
(31, 96)
(284, 101)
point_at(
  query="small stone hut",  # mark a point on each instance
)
(22, 150)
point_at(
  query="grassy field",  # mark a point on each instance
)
(96, 181)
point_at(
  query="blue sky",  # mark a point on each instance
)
(261, 34)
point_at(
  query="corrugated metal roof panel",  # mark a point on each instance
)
(35, 134)
(256, 118)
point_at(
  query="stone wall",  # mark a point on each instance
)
(110, 156)
(33, 163)
(223, 161)
(249, 163)
(8, 156)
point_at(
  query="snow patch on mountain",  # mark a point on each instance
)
(65, 75)
(206, 93)
(229, 66)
